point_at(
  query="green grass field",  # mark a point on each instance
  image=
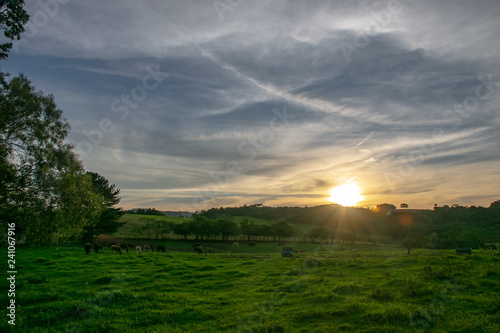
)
(245, 289)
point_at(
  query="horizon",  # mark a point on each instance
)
(410, 208)
(187, 106)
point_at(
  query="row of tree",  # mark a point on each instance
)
(204, 228)
(44, 189)
(442, 227)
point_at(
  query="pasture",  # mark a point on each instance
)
(253, 289)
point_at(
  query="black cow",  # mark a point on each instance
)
(251, 244)
(87, 248)
(97, 247)
(197, 247)
(464, 250)
(124, 246)
(161, 248)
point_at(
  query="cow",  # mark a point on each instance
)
(116, 248)
(197, 247)
(87, 248)
(161, 248)
(97, 247)
(281, 243)
(138, 249)
(251, 244)
(298, 251)
(464, 250)
(236, 244)
(147, 248)
(124, 246)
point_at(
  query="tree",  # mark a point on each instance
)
(228, 227)
(13, 17)
(40, 172)
(182, 229)
(404, 206)
(107, 221)
(385, 208)
(317, 233)
(495, 204)
(281, 230)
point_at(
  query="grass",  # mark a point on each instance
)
(248, 289)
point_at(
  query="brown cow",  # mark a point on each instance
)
(116, 248)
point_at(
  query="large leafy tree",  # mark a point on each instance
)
(43, 187)
(13, 17)
(107, 221)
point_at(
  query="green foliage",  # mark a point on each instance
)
(107, 217)
(13, 17)
(44, 188)
(443, 227)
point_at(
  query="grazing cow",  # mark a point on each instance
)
(116, 248)
(97, 247)
(147, 248)
(124, 246)
(138, 249)
(236, 244)
(298, 251)
(87, 248)
(161, 248)
(197, 247)
(251, 244)
(209, 251)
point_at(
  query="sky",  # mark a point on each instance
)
(187, 105)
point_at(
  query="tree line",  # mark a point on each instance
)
(442, 227)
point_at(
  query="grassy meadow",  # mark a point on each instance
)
(246, 289)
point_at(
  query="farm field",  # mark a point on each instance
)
(246, 289)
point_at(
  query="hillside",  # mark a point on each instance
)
(442, 227)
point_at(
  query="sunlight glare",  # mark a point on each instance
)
(348, 194)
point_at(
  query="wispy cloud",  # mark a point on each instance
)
(359, 119)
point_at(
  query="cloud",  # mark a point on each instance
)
(351, 115)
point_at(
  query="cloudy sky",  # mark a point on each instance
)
(190, 104)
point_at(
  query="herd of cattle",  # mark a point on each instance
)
(120, 248)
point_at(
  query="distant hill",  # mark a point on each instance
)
(153, 211)
(177, 214)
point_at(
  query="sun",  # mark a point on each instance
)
(348, 194)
